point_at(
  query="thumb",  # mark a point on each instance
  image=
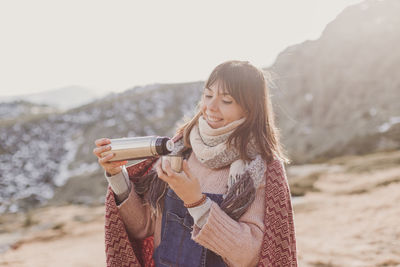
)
(186, 169)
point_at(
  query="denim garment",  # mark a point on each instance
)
(176, 247)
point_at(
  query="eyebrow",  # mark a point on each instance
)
(225, 93)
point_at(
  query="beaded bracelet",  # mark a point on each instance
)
(197, 203)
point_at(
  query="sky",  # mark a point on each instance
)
(111, 46)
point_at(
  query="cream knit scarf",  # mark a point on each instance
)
(210, 147)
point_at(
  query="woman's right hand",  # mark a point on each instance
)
(111, 168)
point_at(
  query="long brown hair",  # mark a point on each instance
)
(248, 86)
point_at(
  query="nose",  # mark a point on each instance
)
(212, 104)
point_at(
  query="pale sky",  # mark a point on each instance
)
(115, 45)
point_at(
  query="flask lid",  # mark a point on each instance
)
(170, 145)
(164, 145)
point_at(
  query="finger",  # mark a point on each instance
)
(158, 163)
(186, 170)
(167, 168)
(98, 150)
(106, 158)
(102, 141)
(119, 163)
(161, 174)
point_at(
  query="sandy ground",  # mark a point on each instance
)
(351, 218)
(350, 229)
(59, 236)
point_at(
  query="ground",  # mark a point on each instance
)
(348, 215)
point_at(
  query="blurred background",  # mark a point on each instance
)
(76, 71)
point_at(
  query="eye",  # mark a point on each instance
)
(227, 100)
(208, 96)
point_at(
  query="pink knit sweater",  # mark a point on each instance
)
(238, 242)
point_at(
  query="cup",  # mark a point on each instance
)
(175, 161)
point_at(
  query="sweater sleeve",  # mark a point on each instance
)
(200, 213)
(137, 216)
(120, 184)
(237, 242)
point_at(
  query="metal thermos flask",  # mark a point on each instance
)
(131, 148)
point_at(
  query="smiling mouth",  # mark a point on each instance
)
(213, 119)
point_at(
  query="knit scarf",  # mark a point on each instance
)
(211, 148)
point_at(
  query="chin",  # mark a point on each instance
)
(215, 125)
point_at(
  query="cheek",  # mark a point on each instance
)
(235, 113)
(203, 107)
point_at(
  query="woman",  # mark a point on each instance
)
(231, 204)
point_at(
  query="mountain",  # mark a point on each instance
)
(62, 98)
(19, 109)
(340, 93)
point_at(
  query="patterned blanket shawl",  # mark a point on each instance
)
(279, 242)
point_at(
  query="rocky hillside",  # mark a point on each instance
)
(339, 94)
(11, 112)
(40, 153)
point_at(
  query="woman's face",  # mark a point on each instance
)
(219, 108)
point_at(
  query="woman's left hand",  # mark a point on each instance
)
(184, 184)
